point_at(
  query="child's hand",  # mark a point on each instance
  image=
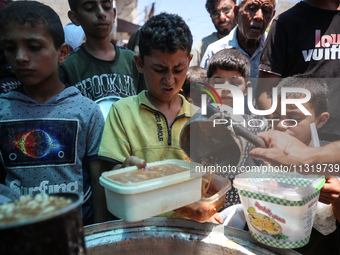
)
(330, 191)
(134, 161)
(216, 218)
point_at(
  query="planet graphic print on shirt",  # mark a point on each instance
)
(35, 143)
(38, 142)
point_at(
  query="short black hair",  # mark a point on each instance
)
(210, 4)
(33, 13)
(229, 60)
(74, 5)
(316, 86)
(165, 32)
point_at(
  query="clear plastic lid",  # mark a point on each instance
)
(283, 185)
(150, 184)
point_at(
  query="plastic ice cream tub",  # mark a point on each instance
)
(147, 197)
(279, 207)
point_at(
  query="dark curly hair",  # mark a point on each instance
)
(165, 32)
(34, 13)
(210, 4)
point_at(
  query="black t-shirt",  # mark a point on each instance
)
(306, 39)
(301, 40)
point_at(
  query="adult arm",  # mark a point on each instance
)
(286, 150)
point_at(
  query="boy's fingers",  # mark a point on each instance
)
(218, 218)
(141, 164)
(134, 161)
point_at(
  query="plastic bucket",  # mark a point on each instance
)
(279, 207)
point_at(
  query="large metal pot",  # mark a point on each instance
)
(61, 233)
(171, 236)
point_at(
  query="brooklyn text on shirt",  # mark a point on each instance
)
(108, 84)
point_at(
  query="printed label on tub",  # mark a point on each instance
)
(279, 224)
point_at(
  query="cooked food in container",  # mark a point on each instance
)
(43, 224)
(152, 172)
(212, 200)
(28, 207)
(134, 194)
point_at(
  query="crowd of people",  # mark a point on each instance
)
(55, 138)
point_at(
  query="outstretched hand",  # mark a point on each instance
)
(283, 149)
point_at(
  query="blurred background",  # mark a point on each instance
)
(133, 13)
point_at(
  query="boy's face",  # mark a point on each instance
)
(164, 73)
(302, 129)
(31, 53)
(228, 77)
(95, 16)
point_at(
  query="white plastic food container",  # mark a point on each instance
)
(140, 200)
(279, 207)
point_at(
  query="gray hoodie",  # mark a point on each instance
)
(45, 148)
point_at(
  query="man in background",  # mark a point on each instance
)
(253, 17)
(222, 15)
